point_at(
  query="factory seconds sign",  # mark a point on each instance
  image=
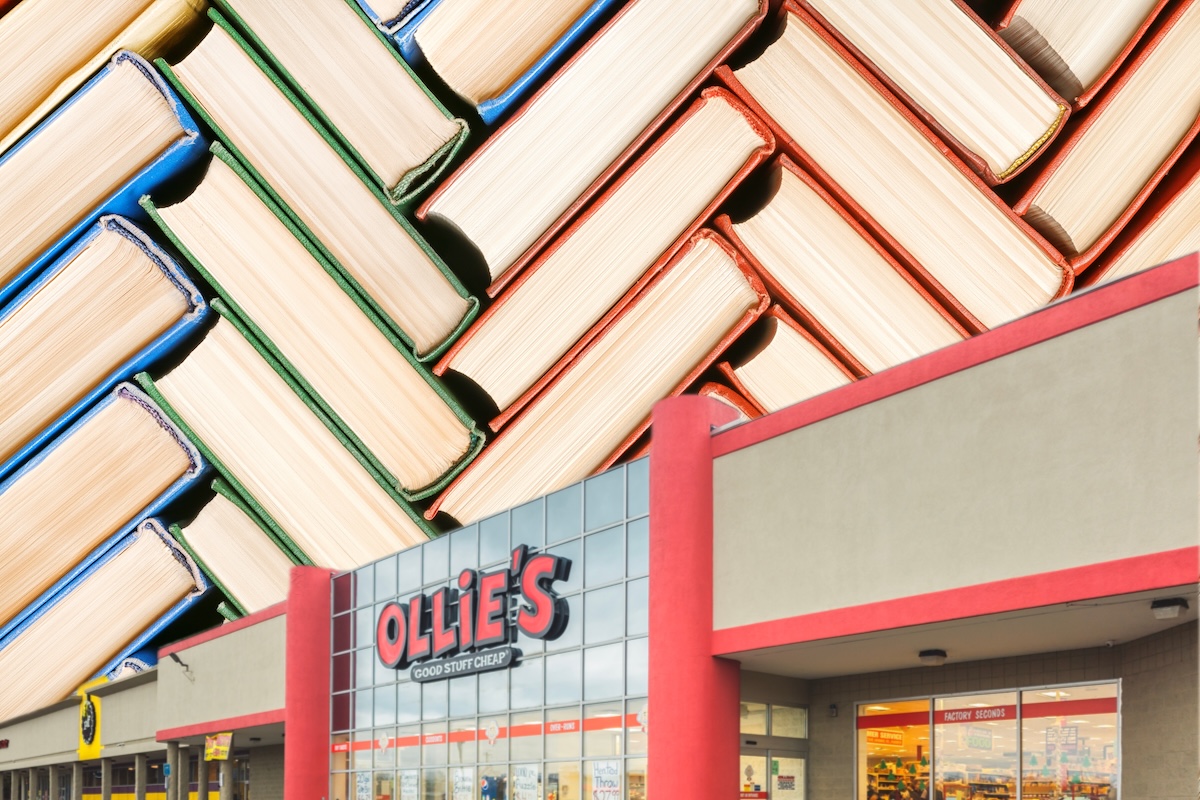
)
(471, 626)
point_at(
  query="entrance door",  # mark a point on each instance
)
(771, 774)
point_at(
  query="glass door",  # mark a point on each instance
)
(771, 774)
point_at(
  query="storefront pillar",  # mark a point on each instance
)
(307, 693)
(225, 771)
(139, 777)
(203, 778)
(106, 779)
(54, 783)
(33, 783)
(171, 780)
(77, 781)
(694, 697)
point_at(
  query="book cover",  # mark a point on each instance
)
(162, 346)
(185, 151)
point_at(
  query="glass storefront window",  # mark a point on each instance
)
(563, 781)
(635, 779)
(385, 786)
(975, 739)
(754, 718)
(1070, 742)
(408, 746)
(563, 732)
(462, 741)
(526, 735)
(637, 720)
(462, 784)
(410, 784)
(526, 783)
(433, 784)
(789, 721)
(787, 778)
(754, 776)
(893, 748)
(603, 729)
(435, 749)
(493, 739)
(603, 779)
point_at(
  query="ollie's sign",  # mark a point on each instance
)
(470, 626)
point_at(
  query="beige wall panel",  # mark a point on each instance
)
(1075, 451)
(235, 675)
(129, 718)
(49, 738)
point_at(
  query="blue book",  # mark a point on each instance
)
(130, 590)
(19, 265)
(92, 321)
(403, 29)
(107, 477)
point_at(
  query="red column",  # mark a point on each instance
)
(307, 693)
(694, 697)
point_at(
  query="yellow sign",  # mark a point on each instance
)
(216, 747)
(89, 721)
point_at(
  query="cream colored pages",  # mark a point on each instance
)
(1072, 42)
(479, 47)
(788, 369)
(601, 259)
(355, 79)
(103, 307)
(318, 328)
(582, 418)
(531, 171)
(104, 138)
(1175, 233)
(283, 455)
(900, 178)
(950, 67)
(82, 632)
(79, 495)
(148, 34)
(323, 191)
(839, 278)
(1111, 162)
(242, 557)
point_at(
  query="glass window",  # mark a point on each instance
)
(1070, 741)
(342, 712)
(364, 668)
(385, 579)
(564, 677)
(493, 739)
(787, 778)
(635, 778)
(637, 547)
(385, 750)
(975, 739)
(463, 693)
(637, 607)
(362, 709)
(637, 656)
(433, 784)
(343, 633)
(636, 726)
(493, 691)
(573, 636)
(383, 673)
(462, 741)
(602, 671)
(436, 556)
(563, 781)
(604, 729)
(408, 565)
(604, 614)
(526, 682)
(408, 702)
(343, 666)
(462, 783)
(575, 582)
(638, 480)
(364, 627)
(893, 746)
(604, 499)
(493, 539)
(789, 721)
(433, 699)
(464, 550)
(753, 776)
(343, 591)
(604, 557)
(525, 735)
(341, 753)
(435, 750)
(364, 744)
(385, 705)
(563, 732)
(528, 526)
(408, 747)
(364, 586)
(526, 782)
(754, 718)
(603, 779)
(410, 784)
(564, 514)
(339, 786)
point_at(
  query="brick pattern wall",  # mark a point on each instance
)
(1161, 745)
(266, 773)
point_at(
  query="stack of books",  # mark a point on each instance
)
(251, 255)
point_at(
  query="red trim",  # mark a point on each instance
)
(694, 697)
(894, 720)
(974, 716)
(307, 692)
(1069, 708)
(1137, 574)
(221, 725)
(270, 612)
(1085, 309)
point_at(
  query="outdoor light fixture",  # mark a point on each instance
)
(932, 658)
(1168, 608)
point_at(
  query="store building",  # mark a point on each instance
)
(972, 576)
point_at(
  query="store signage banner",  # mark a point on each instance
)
(216, 747)
(470, 627)
(967, 715)
(410, 785)
(876, 736)
(606, 780)
(977, 738)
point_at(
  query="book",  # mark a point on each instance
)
(315, 182)
(119, 462)
(1109, 165)
(493, 54)
(600, 402)
(830, 274)
(347, 76)
(785, 365)
(120, 136)
(112, 304)
(611, 248)
(229, 544)
(275, 451)
(1166, 227)
(393, 16)
(933, 214)
(336, 354)
(1076, 45)
(125, 596)
(50, 48)
(540, 167)
(746, 410)
(956, 74)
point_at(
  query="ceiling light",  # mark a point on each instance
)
(932, 658)
(1168, 608)
(1055, 695)
(879, 708)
